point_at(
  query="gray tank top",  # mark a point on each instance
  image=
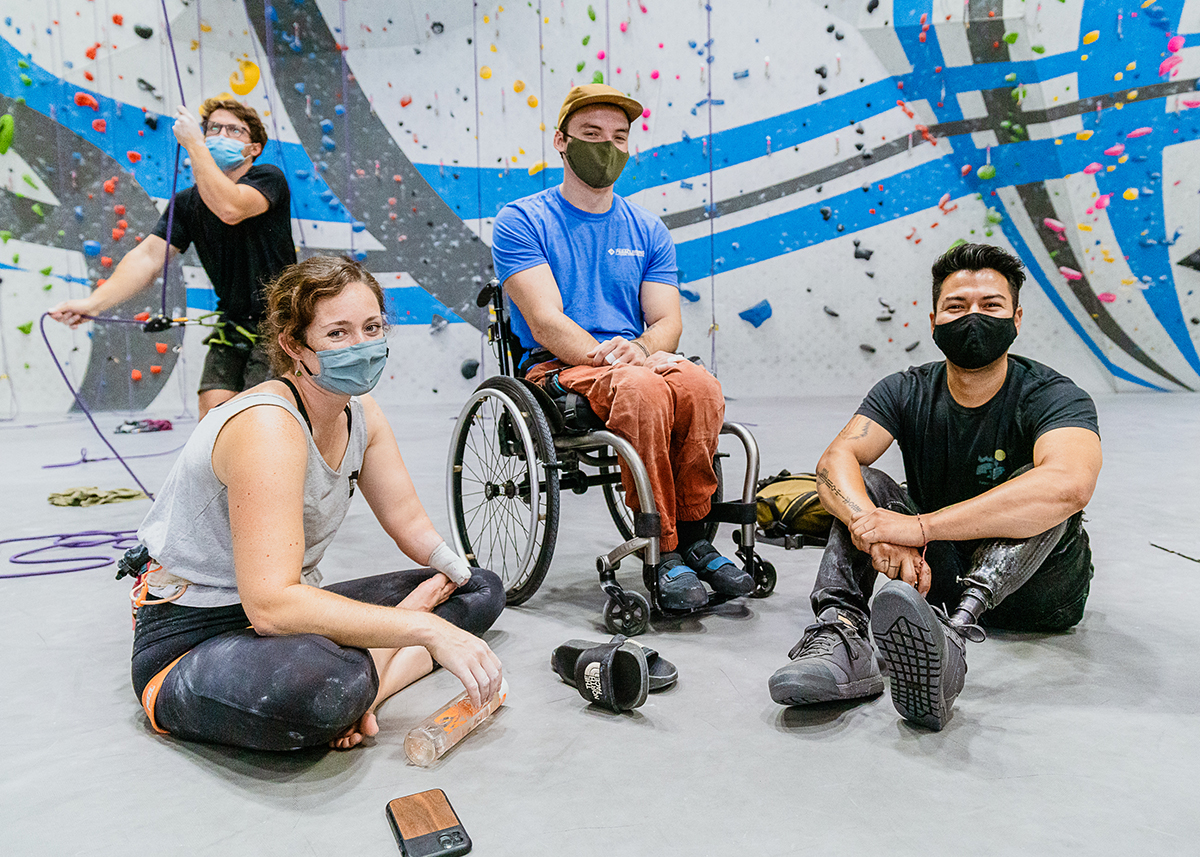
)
(187, 530)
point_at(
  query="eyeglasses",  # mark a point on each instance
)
(212, 129)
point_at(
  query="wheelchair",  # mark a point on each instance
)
(516, 447)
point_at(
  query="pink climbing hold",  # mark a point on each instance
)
(599, 55)
(945, 199)
(1138, 132)
(1175, 44)
(1093, 168)
(624, 26)
(646, 113)
(1107, 297)
(1070, 273)
(1191, 105)
(1053, 224)
(1116, 150)
(1103, 201)
(654, 74)
(83, 99)
(1169, 63)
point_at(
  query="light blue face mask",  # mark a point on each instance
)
(226, 152)
(352, 370)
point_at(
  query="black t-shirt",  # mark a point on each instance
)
(952, 453)
(239, 259)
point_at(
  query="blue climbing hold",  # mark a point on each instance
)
(327, 126)
(358, 226)
(339, 109)
(302, 174)
(328, 143)
(79, 212)
(689, 295)
(300, 87)
(758, 313)
(91, 248)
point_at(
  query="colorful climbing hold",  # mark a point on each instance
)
(245, 78)
(987, 171)
(7, 128)
(160, 347)
(86, 99)
(1053, 225)
(1091, 37)
(1093, 168)
(757, 314)
(1138, 132)
(485, 72)
(1175, 43)
(1070, 273)
(519, 86)
(1106, 297)
(1116, 150)
(966, 170)
(26, 328)
(99, 126)
(532, 101)
(135, 375)
(1169, 63)
(1130, 193)
(134, 157)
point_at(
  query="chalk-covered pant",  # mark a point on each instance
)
(1035, 584)
(672, 419)
(235, 687)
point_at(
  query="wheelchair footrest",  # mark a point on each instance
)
(733, 513)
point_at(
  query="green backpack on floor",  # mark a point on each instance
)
(788, 505)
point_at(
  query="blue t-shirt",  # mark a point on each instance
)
(598, 260)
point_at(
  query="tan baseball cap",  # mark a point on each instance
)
(597, 93)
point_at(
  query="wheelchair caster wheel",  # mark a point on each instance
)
(764, 579)
(631, 620)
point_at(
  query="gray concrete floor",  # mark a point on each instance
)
(1085, 740)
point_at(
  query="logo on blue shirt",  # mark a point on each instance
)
(622, 251)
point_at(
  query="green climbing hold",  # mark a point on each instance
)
(579, 67)
(1011, 38)
(6, 132)
(22, 64)
(598, 77)
(36, 208)
(16, 258)
(987, 171)
(1005, 123)
(1011, 77)
(47, 287)
(586, 39)
(4, 236)
(26, 79)
(26, 328)
(591, 13)
(1038, 49)
(29, 181)
(994, 216)
(46, 270)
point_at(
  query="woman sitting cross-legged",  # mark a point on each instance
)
(236, 642)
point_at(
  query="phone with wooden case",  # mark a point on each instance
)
(425, 825)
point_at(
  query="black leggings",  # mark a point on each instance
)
(235, 687)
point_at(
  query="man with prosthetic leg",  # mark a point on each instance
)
(1001, 455)
(596, 296)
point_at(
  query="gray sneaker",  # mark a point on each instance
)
(833, 661)
(925, 654)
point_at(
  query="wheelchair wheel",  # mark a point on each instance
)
(503, 493)
(631, 620)
(764, 578)
(614, 498)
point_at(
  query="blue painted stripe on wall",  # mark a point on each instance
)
(405, 304)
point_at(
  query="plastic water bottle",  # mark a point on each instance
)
(430, 740)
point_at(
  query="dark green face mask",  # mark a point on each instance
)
(598, 165)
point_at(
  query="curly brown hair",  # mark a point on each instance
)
(258, 132)
(292, 300)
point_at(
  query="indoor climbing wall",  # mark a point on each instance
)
(810, 159)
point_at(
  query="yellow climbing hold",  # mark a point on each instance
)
(1110, 168)
(537, 168)
(1083, 57)
(1147, 4)
(245, 78)
(520, 151)
(1084, 135)
(485, 72)
(1088, 38)
(1122, 159)
(1118, 76)
(486, 19)
(514, 159)
(1131, 193)
(1131, 94)
(1083, 227)
(493, 48)
(205, 27)
(1058, 142)
(532, 102)
(519, 86)
(1127, 281)
(1131, 66)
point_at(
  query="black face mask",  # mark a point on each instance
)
(975, 340)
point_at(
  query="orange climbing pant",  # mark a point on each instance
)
(673, 420)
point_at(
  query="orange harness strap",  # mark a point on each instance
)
(150, 693)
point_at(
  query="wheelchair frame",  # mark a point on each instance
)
(516, 449)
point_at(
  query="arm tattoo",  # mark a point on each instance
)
(862, 431)
(823, 478)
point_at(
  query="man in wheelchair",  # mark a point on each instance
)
(596, 310)
(1001, 455)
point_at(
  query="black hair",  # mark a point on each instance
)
(976, 257)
